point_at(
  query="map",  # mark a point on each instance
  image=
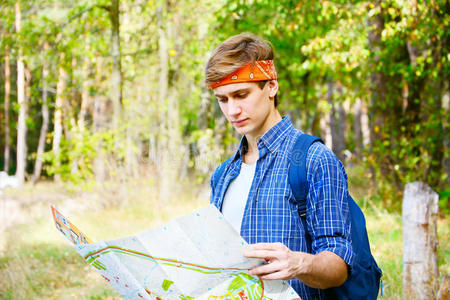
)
(197, 256)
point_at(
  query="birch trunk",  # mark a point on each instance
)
(116, 75)
(133, 142)
(175, 144)
(164, 168)
(85, 101)
(204, 109)
(365, 127)
(7, 150)
(70, 128)
(420, 268)
(21, 125)
(444, 288)
(58, 114)
(99, 119)
(45, 119)
(325, 131)
(331, 118)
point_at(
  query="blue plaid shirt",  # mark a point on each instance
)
(271, 214)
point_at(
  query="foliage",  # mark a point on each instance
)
(414, 62)
(389, 56)
(333, 42)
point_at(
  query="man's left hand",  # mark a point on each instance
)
(282, 263)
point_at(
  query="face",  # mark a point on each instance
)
(249, 108)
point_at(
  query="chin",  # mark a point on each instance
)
(240, 131)
(245, 132)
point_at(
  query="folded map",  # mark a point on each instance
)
(197, 256)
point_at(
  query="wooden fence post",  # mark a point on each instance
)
(420, 268)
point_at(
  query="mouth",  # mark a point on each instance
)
(239, 122)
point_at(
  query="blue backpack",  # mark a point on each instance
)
(364, 280)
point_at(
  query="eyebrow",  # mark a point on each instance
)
(233, 92)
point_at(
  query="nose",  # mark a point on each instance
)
(234, 107)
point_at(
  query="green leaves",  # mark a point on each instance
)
(397, 67)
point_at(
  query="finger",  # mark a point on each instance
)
(265, 269)
(264, 254)
(280, 275)
(266, 246)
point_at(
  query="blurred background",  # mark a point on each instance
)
(105, 114)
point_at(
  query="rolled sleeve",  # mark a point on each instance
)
(328, 217)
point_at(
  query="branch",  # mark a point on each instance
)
(80, 13)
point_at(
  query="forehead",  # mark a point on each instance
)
(233, 87)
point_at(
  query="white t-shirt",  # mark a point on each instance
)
(236, 196)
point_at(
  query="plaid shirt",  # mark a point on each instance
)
(271, 215)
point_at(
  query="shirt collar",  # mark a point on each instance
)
(271, 140)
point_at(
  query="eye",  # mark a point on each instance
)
(241, 95)
(222, 100)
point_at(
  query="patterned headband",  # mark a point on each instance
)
(261, 70)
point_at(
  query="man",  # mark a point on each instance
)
(253, 192)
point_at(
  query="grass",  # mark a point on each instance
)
(37, 263)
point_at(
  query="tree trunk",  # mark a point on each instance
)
(99, 120)
(415, 86)
(7, 150)
(70, 128)
(116, 75)
(164, 167)
(365, 127)
(325, 131)
(331, 118)
(357, 127)
(21, 124)
(377, 78)
(204, 109)
(58, 114)
(420, 268)
(439, 160)
(414, 104)
(336, 125)
(85, 101)
(341, 130)
(306, 110)
(133, 143)
(444, 288)
(45, 119)
(378, 83)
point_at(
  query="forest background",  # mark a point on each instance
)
(105, 113)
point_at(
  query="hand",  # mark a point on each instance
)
(282, 263)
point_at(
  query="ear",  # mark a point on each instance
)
(273, 88)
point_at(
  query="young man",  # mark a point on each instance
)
(253, 192)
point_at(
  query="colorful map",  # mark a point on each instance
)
(197, 256)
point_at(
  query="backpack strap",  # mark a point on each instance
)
(297, 169)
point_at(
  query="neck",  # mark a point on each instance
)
(252, 139)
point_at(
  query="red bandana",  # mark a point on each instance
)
(261, 70)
